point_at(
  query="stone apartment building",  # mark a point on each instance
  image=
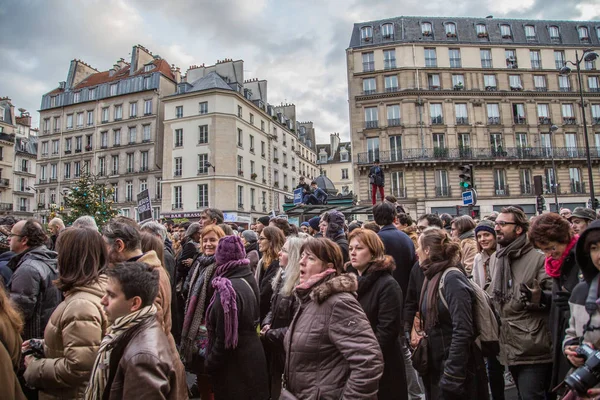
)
(7, 151)
(429, 94)
(24, 167)
(335, 161)
(225, 146)
(110, 124)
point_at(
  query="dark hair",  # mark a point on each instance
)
(282, 224)
(325, 250)
(372, 226)
(446, 219)
(185, 225)
(519, 216)
(353, 225)
(34, 232)
(591, 237)
(391, 198)
(441, 246)
(82, 257)
(214, 213)
(550, 227)
(405, 219)
(151, 242)
(463, 223)
(314, 183)
(384, 213)
(432, 220)
(130, 236)
(293, 230)
(136, 279)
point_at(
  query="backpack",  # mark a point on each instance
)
(487, 321)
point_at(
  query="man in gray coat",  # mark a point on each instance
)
(518, 278)
(34, 268)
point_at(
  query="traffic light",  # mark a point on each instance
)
(466, 176)
(595, 204)
(540, 203)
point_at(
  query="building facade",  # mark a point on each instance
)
(24, 167)
(7, 151)
(109, 124)
(227, 147)
(428, 95)
(335, 161)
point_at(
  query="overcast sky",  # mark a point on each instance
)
(298, 46)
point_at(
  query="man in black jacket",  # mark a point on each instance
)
(377, 180)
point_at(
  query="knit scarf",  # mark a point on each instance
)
(101, 368)
(313, 280)
(194, 312)
(433, 272)
(553, 267)
(502, 291)
(224, 289)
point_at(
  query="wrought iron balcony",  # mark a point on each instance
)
(501, 190)
(520, 120)
(371, 124)
(569, 120)
(483, 153)
(394, 122)
(462, 121)
(577, 187)
(527, 189)
(399, 192)
(443, 191)
(493, 120)
(6, 206)
(544, 121)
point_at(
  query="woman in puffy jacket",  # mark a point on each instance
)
(381, 298)
(77, 326)
(331, 350)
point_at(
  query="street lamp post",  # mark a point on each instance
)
(553, 129)
(589, 56)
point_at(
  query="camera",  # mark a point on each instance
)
(588, 375)
(36, 349)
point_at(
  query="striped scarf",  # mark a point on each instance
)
(101, 369)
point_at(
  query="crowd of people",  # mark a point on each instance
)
(437, 308)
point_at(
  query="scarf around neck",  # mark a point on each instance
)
(101, 368)
(554, 267)
(433, 275)
(502, 281)
(228, 297)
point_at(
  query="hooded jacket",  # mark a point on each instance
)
(71, 343)
(32, 290)
(331, 350)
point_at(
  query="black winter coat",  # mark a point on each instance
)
(413, 294)
(342, 242)
(398, 245)
(380, 297)
(265, 287)
(456, 367)
(239, 373)
(377, 174)
(560, 313)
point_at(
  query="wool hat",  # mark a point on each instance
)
(336, 221)
(305, 224)
(230, 248)
(314, 223)
(485, 225)
(583, 213)
(250, 236)
(264, 220)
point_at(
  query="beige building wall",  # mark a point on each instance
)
(7, 151)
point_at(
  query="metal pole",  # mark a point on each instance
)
(585, 130)
(555, 176)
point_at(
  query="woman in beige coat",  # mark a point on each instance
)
(78, 324)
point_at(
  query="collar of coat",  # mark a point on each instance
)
(344, 283)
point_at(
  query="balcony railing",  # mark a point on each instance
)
(577, 187)
(371, 124)
(565, 89)
(177, 206)
(493, 120)
(527, 189)
(544, 121)
(6, 206)
(486, 153)
(501, 190)
(394, 122)
(399, 192)
(595, 120)
(520, 120)
(462, 121)
(569, 120)
(437, 120)
(443, 191)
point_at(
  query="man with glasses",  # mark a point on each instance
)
(34, 269)
(518, 278)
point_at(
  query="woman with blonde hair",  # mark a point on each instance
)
(380, 296)
(283, 307)
(11, 326)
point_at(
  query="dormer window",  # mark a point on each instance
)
(343, 155)
(554, 33)
(530, 32)
(427, 29)
(387, 31)
(148, 68)
(505, 31)
(450, 30)
(584, 34)
(366, 34)
(481, 30)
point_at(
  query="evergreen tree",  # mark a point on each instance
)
(88, 197)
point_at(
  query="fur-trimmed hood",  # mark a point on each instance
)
(336, 284)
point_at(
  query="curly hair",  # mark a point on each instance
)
(548, 228)
(34, 232)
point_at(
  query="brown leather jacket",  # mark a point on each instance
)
(142, 366)
(332, 352)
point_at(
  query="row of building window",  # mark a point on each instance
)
(76, 120)
(493, 113)
(481, 30)
(202, 198)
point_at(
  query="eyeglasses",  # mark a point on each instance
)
(13, 235)
(504, 223)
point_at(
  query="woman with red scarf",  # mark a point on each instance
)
(552, 234)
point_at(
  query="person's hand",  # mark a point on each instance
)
(573, 357)
(264, 330)
(187, 262)
(533, 294)
(25, 345)
(593, 393)
(27, 360)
